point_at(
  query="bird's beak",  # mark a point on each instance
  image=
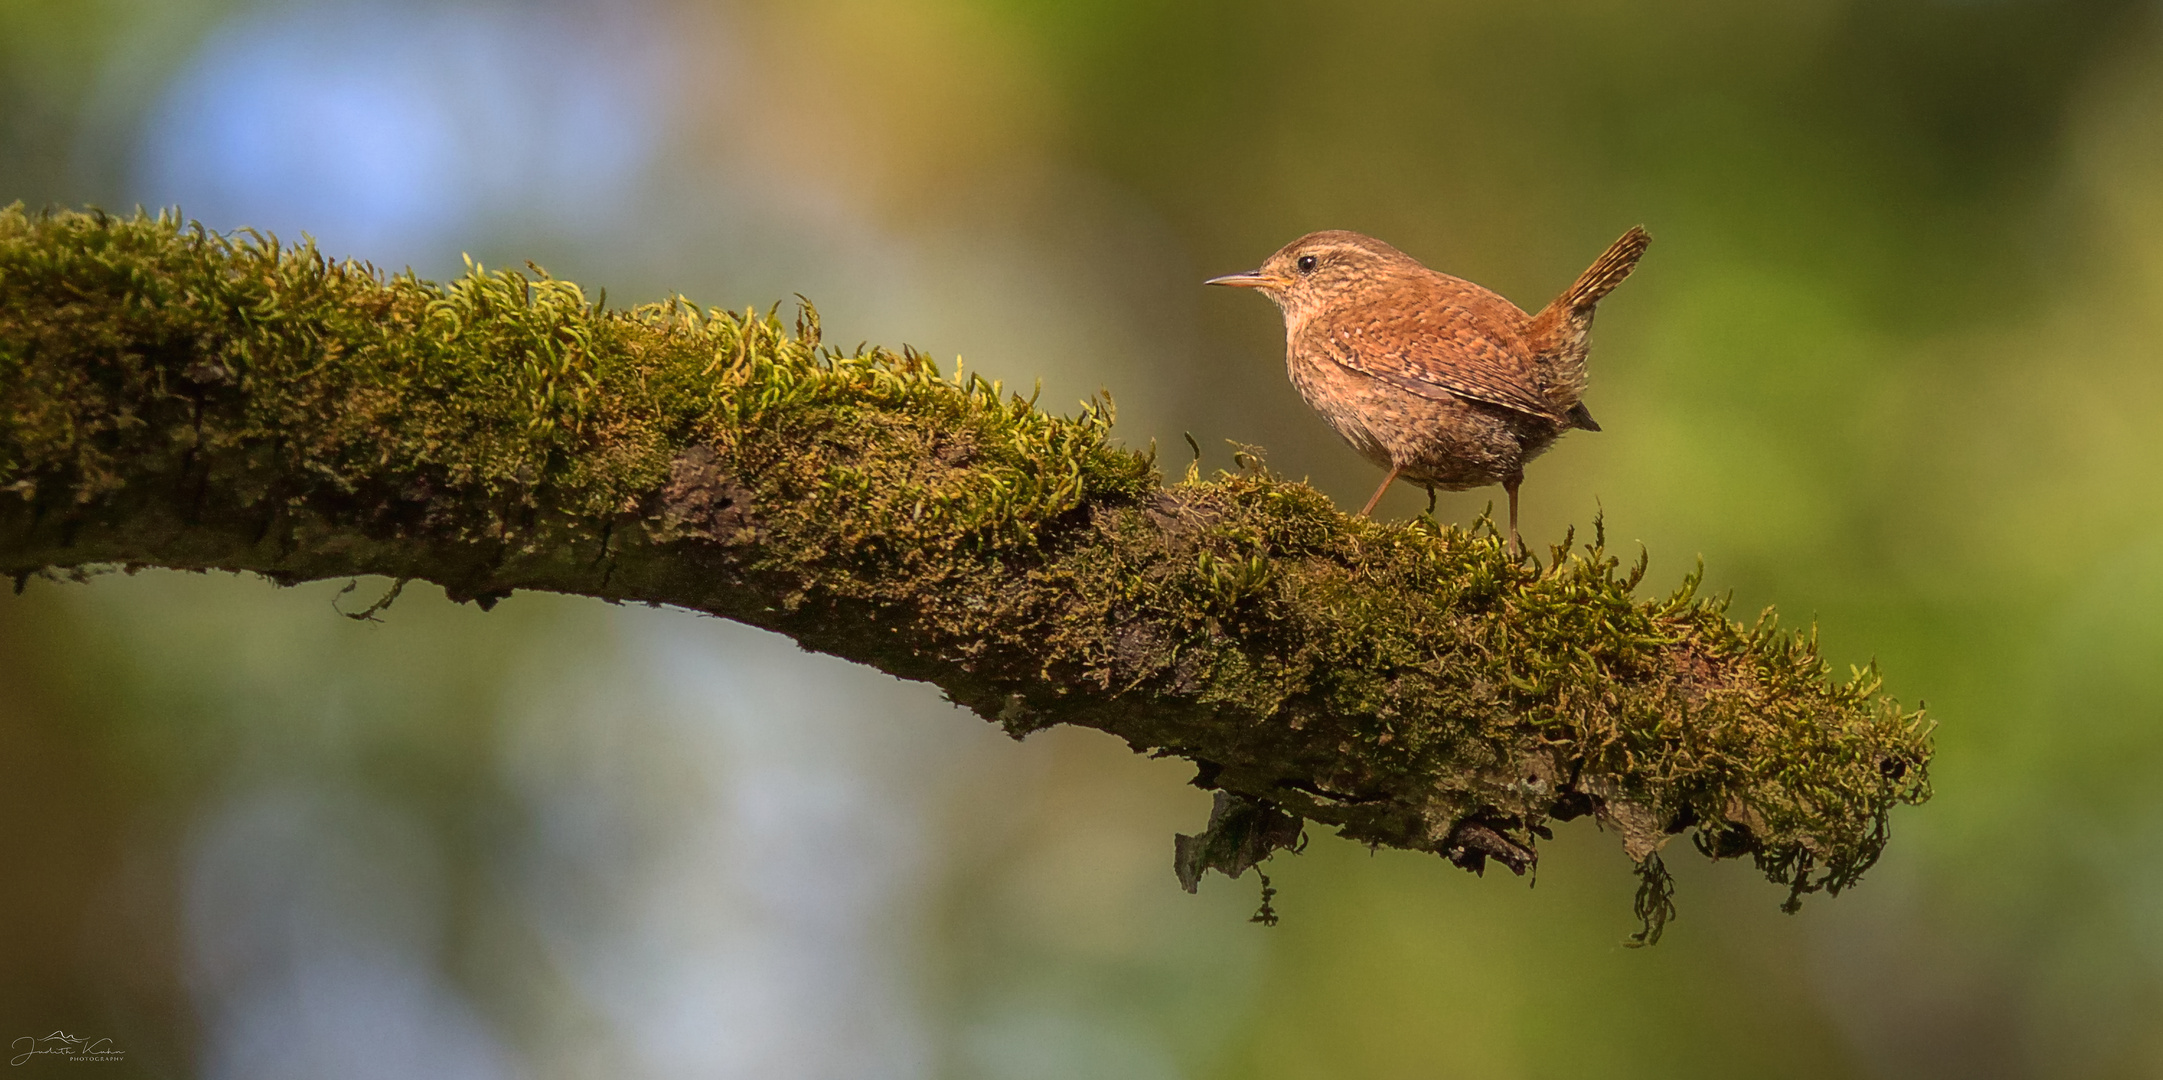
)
(1252, 279)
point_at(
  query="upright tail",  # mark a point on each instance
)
(1606, 272)
(1557, 334)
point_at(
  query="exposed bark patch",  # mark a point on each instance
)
(703, 500)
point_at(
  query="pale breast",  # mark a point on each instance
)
(1344, 398)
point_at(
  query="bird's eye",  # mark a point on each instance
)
(1306, 264)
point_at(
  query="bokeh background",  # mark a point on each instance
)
(1892, 364)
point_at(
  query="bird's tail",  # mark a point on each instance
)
(1557, 333)
(1606, 272)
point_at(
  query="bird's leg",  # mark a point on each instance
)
(1509, 484)
(1386, 482)
(1430, 498)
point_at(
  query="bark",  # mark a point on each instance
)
(174, 398)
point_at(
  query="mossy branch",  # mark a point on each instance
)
(171, 397)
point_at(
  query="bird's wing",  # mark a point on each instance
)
(1437, 339)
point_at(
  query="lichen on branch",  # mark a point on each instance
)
(173, 397)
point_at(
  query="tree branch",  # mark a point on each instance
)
(170, 397)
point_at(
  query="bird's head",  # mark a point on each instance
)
(1319, 268)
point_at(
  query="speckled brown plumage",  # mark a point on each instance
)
(1436, 379)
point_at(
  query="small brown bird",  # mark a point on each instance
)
(1438, 380)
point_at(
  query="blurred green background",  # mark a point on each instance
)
(1891, 364)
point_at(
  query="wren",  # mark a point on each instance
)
(1440, 381)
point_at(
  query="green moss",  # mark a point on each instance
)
(169, 396)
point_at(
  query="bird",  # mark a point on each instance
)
(1440, 381)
